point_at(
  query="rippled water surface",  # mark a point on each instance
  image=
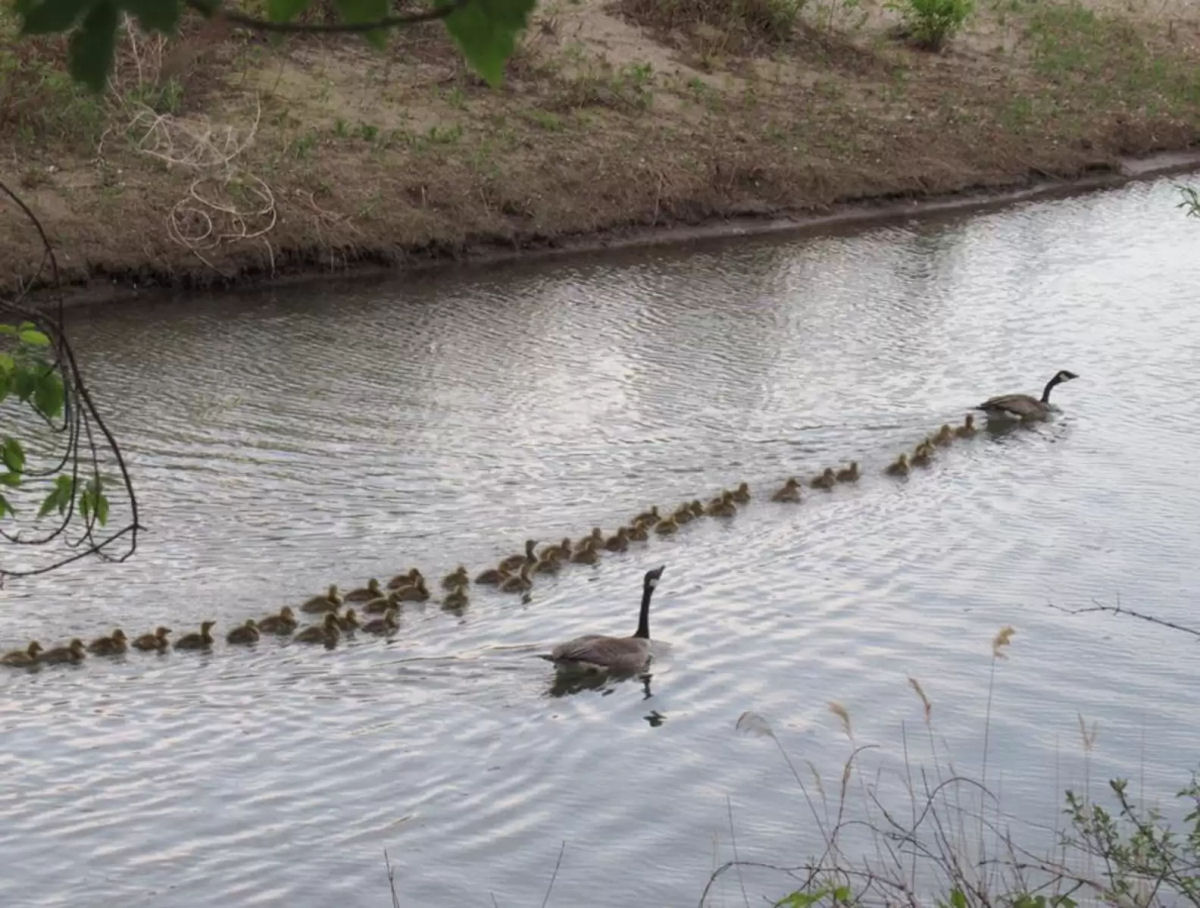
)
(281, 442)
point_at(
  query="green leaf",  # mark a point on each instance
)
(12, 480)
(13, 455)
(51, 16)
(7, 329)
(486, 32)
(34, 338)
(49, 396)
(7, 363)
(154, 15)
(366, 11)
(85, 505)
(91, 47)
(101, 509)
(957, 899)
(6, 507)
(286, 10)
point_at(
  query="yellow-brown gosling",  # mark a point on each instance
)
(967, 429)
(945, 435)
(407, 579)
(417, 593)
(825, 481)
(722, 507)
(790, 491)
(455, 601)
(454, 580)
(111, 645)
(742, 493)
(697, 508)
(492, 576)
(512, 562)
(326, 632)
(383, 603)
(156, 641)
(386, 624)
(348, 622)
(683, 514)
(283, 623)
(637, 533)
(519, 583)
(666, 526)
(330, 602)
(548, 563)
(618, 542)
(922, 454)
(585, 554)
(898, 467)
(22, 658)
(650, 516)
(72, 652)
(848, 474)
(372, 590)
(247, 633)
(595, 537)
(194, 640)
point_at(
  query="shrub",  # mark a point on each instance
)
(929, 23)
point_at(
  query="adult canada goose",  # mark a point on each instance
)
(330, 602)
(967, 429)
(742, 493)
(848, 474)
(619, 542)
(194, 640)
(246, 633)
(825, 481)
(454, 580)
(922, 454)
(790, 491)
(1023, 406)
(612, 654)
(22, 658)
(518, 584)
(326, 632)
(407, 579)
(72, 652)
(586, 553)
(666, 526)
(512, 562)
(283, 623)
(898, 467)
(348, 622)
(365, 593)
(111, 645)
(455, 601)
(945, 435)
(384, 625)
(492, 576)
(156, 641)
(383, 603)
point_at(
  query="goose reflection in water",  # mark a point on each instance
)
(564, 684)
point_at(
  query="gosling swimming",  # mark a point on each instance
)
(72, 652)
(898, 467)
(22, 658)
(384, 625)
(109, 646)
(194, 640)
(790, 491)
(326, 632)
(513, 562)
(967, 429)
(330, 602)
(372, 590)
(283, 623)
(825, 481)
(244, 635)
(848, 474)
(153, 642)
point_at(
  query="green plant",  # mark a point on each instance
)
(929, 23)
(368, 132)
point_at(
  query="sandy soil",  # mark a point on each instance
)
(248, 160)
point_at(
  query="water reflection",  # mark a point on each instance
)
(330, 434)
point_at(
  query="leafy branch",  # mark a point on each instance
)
(484, 30)
(38, 369)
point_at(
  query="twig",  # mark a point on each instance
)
(391, 875)
(737, 860)
(1119, 610)
(553, 876)
(211, 10)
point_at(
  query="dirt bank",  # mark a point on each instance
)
(220, 158)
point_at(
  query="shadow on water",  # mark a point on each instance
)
(565, 682)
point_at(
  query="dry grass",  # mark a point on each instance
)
(603, 125)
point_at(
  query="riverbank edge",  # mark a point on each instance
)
(859, 213)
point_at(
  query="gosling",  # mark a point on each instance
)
(327, 632)
(244, 635)
(72, 652)
(156, 642)
(848, 474)
(790, 491)
(22, 658)
(194, 640)
(898, 467)
(109, 646)
(825, 481)
(967, 429)
(283, 623)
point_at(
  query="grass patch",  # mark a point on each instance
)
(930, 23)
(742, 21)
(1108, 60)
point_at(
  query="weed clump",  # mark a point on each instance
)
(930, 23)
